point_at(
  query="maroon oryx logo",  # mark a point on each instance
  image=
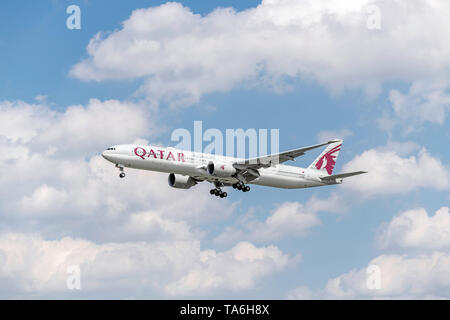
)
(330, 159)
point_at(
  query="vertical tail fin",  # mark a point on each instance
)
(327, 159)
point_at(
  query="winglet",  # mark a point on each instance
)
(335, 140)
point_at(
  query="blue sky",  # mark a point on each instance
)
(391, 107)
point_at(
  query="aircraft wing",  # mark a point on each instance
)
(341, 175)
(274, 159)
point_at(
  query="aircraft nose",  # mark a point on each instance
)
(109, 154)
(104, 155)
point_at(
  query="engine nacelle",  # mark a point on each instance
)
(180, 182)
(220, 170)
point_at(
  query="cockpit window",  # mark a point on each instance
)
(111, 149)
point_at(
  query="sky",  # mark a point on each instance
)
(374, 73)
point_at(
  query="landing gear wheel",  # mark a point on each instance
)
(239, 187)
(217, 192)
(223, 195)
(212, 191)
(120, 167)
(234, 186)
(246, 189)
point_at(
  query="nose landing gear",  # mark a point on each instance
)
(122, 173)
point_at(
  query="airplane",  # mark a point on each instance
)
(186, 168)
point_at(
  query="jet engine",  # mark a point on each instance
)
(181, 182)
(220, 170)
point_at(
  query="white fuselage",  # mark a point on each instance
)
(187, 163)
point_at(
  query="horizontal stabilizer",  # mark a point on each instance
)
(342, 175)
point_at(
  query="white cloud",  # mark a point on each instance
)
(153, 222)
(391, 174)
(335, 202)
(289, 219)
(11, 151)
(78, 129)
(32, 265)
(45, 199)
(181, 55)
(416, 229)
(422, 275)
(425, 101)
(402, 277)
(100, 123)
(21, 122)
(237, 269)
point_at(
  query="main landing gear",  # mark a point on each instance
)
(218, 192)
(122, 174)
(241, 186)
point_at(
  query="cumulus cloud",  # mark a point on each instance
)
(31, 265)
(402, 277)
(422, 274)
(416, 229)
(44, 199)
(336, 202)
(391, 174)
(181, 55)
(80, 130)
(288, 219)
(21, 122)
(154, 222)
(425, 101)
(237, 269)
